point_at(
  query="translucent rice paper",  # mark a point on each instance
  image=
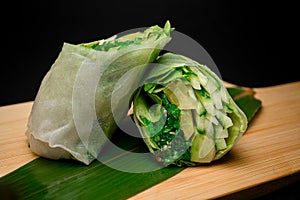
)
(71, 117)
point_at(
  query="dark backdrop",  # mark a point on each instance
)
(250, 42)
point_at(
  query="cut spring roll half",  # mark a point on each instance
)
(73, 89)
(185, 114)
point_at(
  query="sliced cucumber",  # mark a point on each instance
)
(195, 82)
(211, 86)
(200, 123)
(186, 123)
(221, 144)
(201, 78)
(209, 129)
(202, 149)
(181, 95)
(216, 97)
(206, 100)
(212, 119)
(224, 120)
(220, 132)
(200, 110)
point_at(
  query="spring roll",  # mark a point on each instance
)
(185, 114)
(79, 85)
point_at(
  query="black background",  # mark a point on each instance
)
(252, 43)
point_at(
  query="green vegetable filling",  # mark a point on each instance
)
(194, 120)
(166, 133)
(115, 43)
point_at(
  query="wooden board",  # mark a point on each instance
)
(268, 151)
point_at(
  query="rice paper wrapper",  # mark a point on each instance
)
(71, 117)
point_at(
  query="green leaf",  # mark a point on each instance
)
(50, 179)
(244, 98)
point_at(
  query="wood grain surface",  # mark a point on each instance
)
(269, 150)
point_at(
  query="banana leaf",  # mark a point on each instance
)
(66, 179)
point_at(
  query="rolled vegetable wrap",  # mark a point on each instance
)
(80, 84)
(185, 114)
